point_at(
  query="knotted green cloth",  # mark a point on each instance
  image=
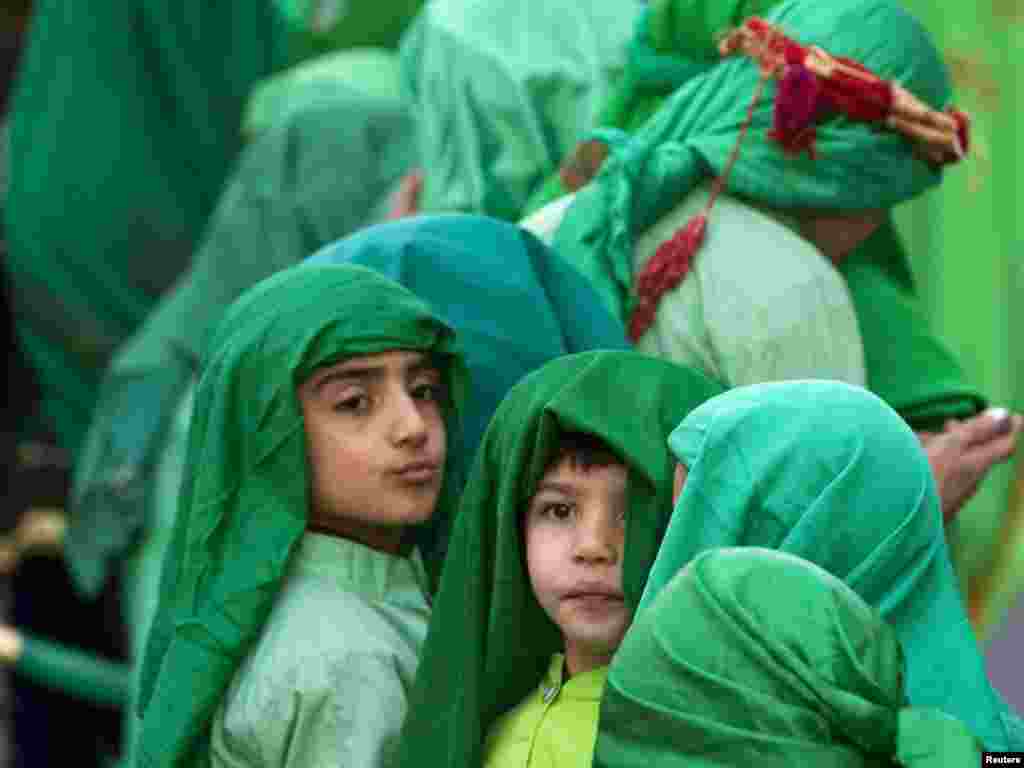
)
(830, 473)
(285, 200)
(489, 641)
(501, 90)
(245, 497)
(859, 166)
(750, 656)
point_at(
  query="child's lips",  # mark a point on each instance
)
(418, 472)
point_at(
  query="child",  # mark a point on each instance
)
(750, 654)
(293, 598)
(559, 522)
(830, 473)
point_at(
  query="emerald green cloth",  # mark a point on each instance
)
(286, 200)
(77, 673)
(750, 656)
(244, 500)
(321, 26)
(124, 125)
(830, 473)
(489, 641)
(689, 139)
(501, 90)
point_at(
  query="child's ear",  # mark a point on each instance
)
(678, 481)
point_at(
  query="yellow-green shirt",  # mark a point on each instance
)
(326, 683)
(553, 727)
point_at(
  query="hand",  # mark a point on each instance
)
(963, 453)
(10, 644)
(39, 531)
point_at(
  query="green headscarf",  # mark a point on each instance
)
(489, 641)
(501, 90)
(751, 656)
(245, 497)
(829, 473)
(859, 167)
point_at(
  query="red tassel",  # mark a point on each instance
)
(664, 271)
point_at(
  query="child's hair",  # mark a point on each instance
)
(583, 451)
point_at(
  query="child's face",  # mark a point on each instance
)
(376, 444)
(575, 533)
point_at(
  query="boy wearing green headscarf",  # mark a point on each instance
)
(516, 613)
(295, 593)
(751, 655)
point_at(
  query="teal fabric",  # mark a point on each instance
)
(501, 90)
(829, 473)
(285, 200)
(123, 127)
(479, 274)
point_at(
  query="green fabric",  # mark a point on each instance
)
(829, 473)
(321, 26)
(370, 72)
(244, 500)
(130, 112)
(785, 314)
(750, 656)
(689, 140)
(501, 89)
(325, 684)
(554, 727)
(285, 200)
(489, 640)
(82, 675)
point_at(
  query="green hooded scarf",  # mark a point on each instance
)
(245, 496)
(751, 656)
(489, 641)
(689, 139)
(828, 472)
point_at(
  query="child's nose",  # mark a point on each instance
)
(597, 541)
(409, 423)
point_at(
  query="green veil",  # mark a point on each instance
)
(830, 473)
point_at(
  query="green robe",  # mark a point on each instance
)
(245, 497)
(830, 473)
(751, 656)
(489, 641)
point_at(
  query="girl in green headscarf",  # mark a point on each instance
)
(830, 473)
(490, 642)
(293, 598)
(753, 656)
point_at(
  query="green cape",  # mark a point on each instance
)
(130, 112)
(489, 641)
(501, 89)
(244, 500)
(752, 656)
(689, 139)
(829, 473)
(284, 201)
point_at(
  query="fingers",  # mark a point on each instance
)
(995, 424)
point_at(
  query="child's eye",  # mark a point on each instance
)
(427, 392)
(556, 511)
(354, 404)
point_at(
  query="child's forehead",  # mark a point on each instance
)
(570, 469)
(376, 365)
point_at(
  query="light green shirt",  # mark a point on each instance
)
(553, 727)
(326, 682)
(759, 304)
